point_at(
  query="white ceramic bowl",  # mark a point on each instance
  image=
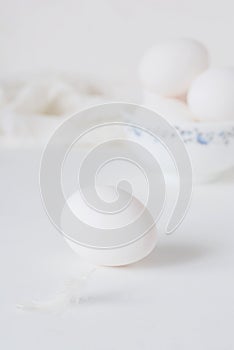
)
(209, 144)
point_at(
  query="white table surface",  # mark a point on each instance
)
(180, 297)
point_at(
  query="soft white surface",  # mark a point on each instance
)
(32, 107)
(179, 298)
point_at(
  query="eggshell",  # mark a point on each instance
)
(175, 111)
(211, 95)
(169, 68)
(116, 256)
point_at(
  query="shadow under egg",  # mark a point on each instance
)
(166, 255)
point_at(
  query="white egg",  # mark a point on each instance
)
(169, 68)
(175, 111)
(211, 95)
(126, 254)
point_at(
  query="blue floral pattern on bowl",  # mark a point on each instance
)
(194, 135)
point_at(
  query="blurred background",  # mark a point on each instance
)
(106, 38)
(59, 56)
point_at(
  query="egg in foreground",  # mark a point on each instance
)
(125, 254)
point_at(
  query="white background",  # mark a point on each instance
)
(106, 37)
